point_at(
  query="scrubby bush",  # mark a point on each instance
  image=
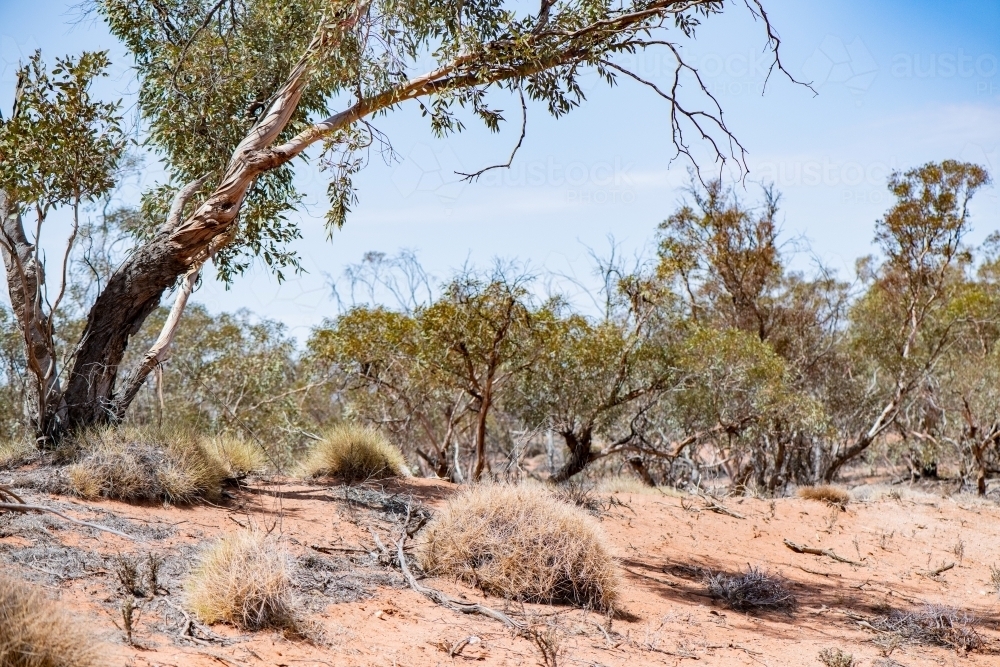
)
(826, 493)
(129, 463)
(753, 590)
(835, 657)
(237, 455)
(35, 632)
(355, 453)
(521, 543)
(243, 579)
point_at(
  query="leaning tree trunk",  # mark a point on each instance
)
(580, 455)
(92, 394)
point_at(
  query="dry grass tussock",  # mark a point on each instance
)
(240, 457)
(243, 579)
(14, 452)
(521, 543)
(355, 453)
(825, 493)
(936, 625)
(35, 632)
(130, 463)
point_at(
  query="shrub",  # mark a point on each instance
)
(521, 543)
(826, 493)
(355, 453)
(129, 463)
(834, 657)
(933, 624)
(35, 632)
(753, 590)
(243, 579)
(237, 455)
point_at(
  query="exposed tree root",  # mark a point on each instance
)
(448, 602)
(7, 494)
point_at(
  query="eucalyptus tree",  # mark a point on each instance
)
(231, 92)
(59, 148)
(591, 379)
(906, 321)
(438, 374)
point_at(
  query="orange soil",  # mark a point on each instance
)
(658, 540)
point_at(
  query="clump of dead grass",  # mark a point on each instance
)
(825, 493)
(355, 453)
(36, 632)
(130, 463)
(753, 590)
(243, 579)
(936, 625)
(14, 452)
(521, 543)
(240, 457)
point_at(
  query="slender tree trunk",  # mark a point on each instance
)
(639, 466)
(484, 412)
(25, 279)
(578, 445)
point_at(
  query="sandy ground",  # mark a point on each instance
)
(363, 613)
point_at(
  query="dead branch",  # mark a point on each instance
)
(714, 506)
(934, 573)
(24, 508)
(803, 549)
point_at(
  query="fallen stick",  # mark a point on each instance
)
(330, 550)
(943, 568)
(718, 508)
(450, 603)
(23, 508)
(803, 549)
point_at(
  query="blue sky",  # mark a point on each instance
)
(899, 84)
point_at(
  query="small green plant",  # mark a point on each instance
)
(959, 550)
(835, 657)
(127, 571)
(128, 610)
(153, 564)
(995, 578)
